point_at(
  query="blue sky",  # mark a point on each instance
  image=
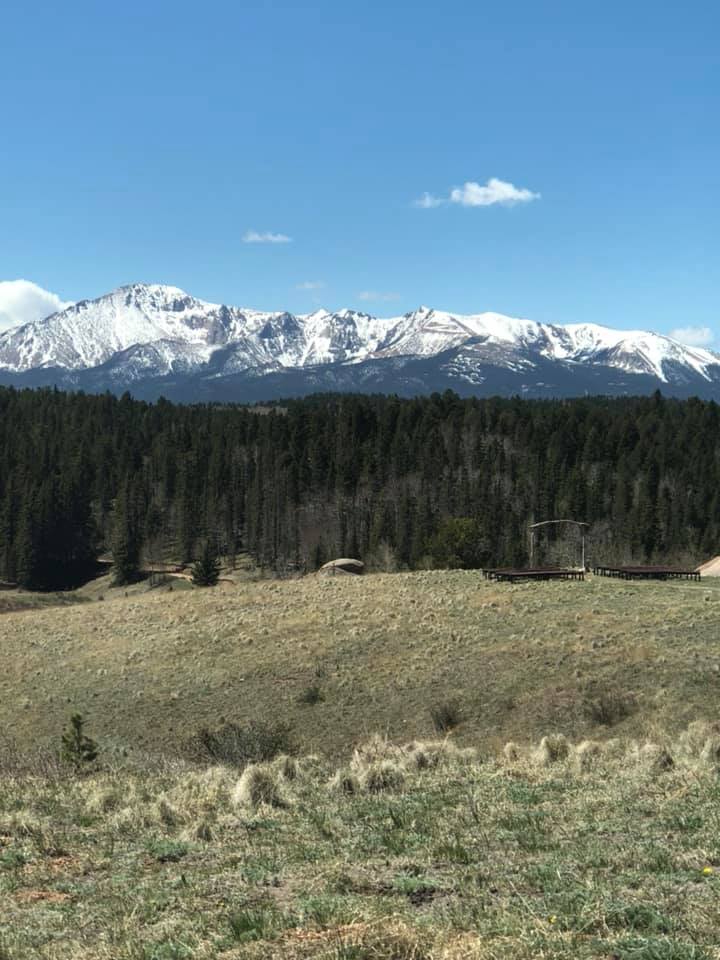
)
(150, 141)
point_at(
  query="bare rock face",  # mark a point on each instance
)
(341, 567)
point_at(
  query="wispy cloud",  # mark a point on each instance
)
(472, 194)
(427, 201)
(253, 236)
(378, 295)
(22, 301)
(693, 336)
(311, 285)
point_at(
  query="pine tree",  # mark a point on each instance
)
(125, 539)
(206, 571)
(76, 748)
(26, 553)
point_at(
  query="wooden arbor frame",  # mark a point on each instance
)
(544, 523)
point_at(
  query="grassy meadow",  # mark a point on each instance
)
(477, 771)
(380, 653)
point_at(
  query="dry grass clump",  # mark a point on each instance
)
(700, 742)
(614, 748)
(552, 749)
(374, 750)
(166, 813)
(131, 819)
(378, 765)
(102, 798)
(710, 753)
(419, 756)
(259, 784)
(202, 831)
(427, 755)
(415, 755)
(692, 740)
(381, 776)
(651, 757)
(586, 755)
(287, 767)
(345, 781)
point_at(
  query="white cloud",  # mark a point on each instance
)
(427, 201)
(22, 301)
(473, 194)
(311, 285)
(494, 191)
(693, 336)
(253, 236)
(377, 295)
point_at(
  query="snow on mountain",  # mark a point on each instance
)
(637, 351)
(142, 331)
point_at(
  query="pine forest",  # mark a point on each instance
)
(434, 481)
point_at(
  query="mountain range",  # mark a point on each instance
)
(156, 340)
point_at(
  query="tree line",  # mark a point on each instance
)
(430, 481)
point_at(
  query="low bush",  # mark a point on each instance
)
(238, 745)
(608, 707)
(446, 715)
(311, 695)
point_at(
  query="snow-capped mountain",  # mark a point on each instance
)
(157, 340)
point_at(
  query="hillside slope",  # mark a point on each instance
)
(150, 669)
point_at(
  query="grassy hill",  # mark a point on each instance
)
(403, 846)
(341, 658)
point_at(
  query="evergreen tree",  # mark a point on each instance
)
(77, 749)
(206, 571)
(125, 539)
(26, 560)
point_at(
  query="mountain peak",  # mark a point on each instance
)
(144, 331)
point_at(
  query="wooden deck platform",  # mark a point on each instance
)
(647, 573)
(513, 575)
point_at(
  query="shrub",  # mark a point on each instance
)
(445, 716)
(238, 745)
(167, 851)
(608, 707)
(311, 695)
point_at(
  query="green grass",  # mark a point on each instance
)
(467, 859)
